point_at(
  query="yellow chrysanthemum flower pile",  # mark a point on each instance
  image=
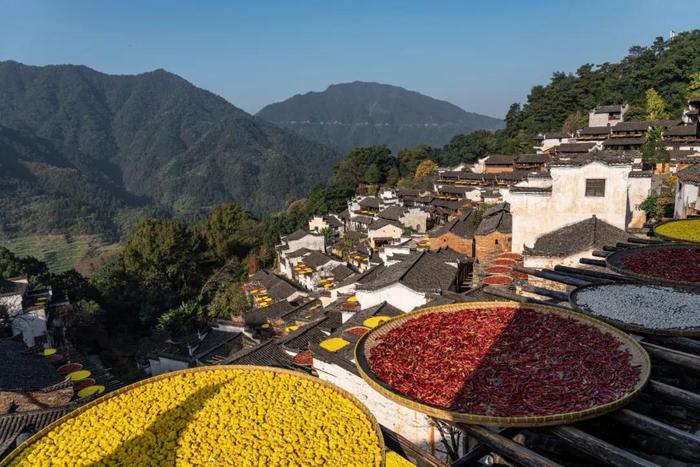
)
(220, 417)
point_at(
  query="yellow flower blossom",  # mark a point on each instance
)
(220, 416)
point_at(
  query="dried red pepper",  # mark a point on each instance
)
(676, 264)
(504, 362)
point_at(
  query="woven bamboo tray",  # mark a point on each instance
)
(635, 328)
(375, 425)
(616, 263)
(370, 339)
(673, 239)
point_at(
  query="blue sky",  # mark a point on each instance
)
(481, 56)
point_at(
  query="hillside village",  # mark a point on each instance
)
(494, 228)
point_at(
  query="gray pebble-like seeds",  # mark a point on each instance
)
(648, 306)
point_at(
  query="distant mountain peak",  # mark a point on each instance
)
(362, 113)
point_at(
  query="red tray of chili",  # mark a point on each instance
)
(673, 264)
(503, 364)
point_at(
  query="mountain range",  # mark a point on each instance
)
(80, 149)
(363, 114)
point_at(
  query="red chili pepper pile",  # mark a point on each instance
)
(504, 362)
(677, 264)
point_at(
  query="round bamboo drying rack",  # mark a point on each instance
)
(369, 340)
(674, 239)
(616, 262)
(34, 438)
(634, 328)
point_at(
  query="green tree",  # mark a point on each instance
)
(656, 107)
(392, 177)
(180, 320)
(649, 206)
(230, 300)
(86, 325)
(409, 159)
(653, 150)
(161, 259)
(230, 231)
(352, 169)
(574, 121)
(693, 89)
(371, 175)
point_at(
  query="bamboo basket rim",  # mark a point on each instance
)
(630, 327)
(614, 260)
(74, 413)
(674, 239)
(639, 356)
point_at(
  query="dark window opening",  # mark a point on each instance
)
(595, 187)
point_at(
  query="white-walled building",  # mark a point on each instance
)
(687, 187)
(605, 115)
(319, 224)
(338, 367)
(599, 183)
(27, 310)
(414, 281)
(382, 232)
(295, 244)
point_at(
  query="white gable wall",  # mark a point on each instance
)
(412, 425)
(537, 214)
(397, 295)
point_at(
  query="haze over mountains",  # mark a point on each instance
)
(78, 147)
(363, 114)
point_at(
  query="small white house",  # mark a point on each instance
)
(600, 183)
(27, 311)
(382, 232)
(687, 187)
(414, 281)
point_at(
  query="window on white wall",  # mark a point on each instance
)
(595, 187)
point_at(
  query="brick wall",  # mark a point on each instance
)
(455, 242)
(491, 244)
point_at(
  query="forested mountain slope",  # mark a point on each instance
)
(365, 114)
(151, 139)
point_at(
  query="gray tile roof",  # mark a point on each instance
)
(27, 423)
(690, 174)
(501, 222)
(370, 202)
(21, 370)
(532, 158)
(341, 272)
(624, 141)
(393, 213)
(12, 288)
(574, 147)
(594, 130)
(334, 221)
(577, 237)
(462, 226)
(362, 219)
(297, 235)
(499, 159)
(380, 223)
(682, 130)
(606, 156)
(305, 336)
(426, 272)
(266, 354)
(316, 259)
(604, 109)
